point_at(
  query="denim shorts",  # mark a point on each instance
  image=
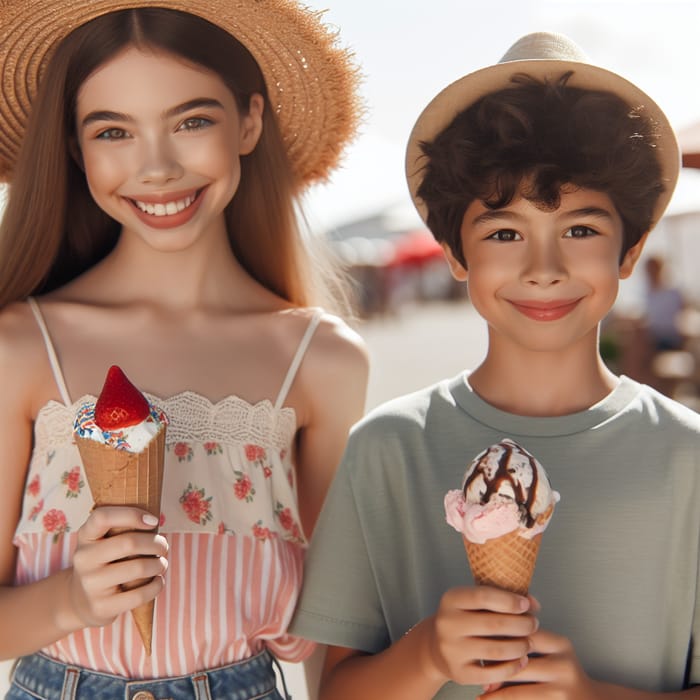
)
(37, 677)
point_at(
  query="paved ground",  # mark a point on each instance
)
(418, 347)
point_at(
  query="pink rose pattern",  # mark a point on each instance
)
(73, 482)
(243, 487)
(196, 505)
(288, 523)
(183, 451)
(55, 522)
(194, 501)
(257, 456)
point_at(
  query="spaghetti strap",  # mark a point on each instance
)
(50, 351)
(298, 357)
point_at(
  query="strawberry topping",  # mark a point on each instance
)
(120, 403)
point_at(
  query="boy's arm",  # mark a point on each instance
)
(555, 673)
(471, 624)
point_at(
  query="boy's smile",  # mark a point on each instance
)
(544, 279)
(545, 310)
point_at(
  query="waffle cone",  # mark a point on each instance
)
(506, 562)
(121, 478)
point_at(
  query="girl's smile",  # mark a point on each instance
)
(167, 211)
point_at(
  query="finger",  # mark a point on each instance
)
(123, 601)
(133, 572)
(535, 605)
(487, 598)
(495, 674)
(546, 642)
(490, 651)
(106, 518)
(490, 624)
(123, 546)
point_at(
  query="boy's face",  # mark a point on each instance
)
(544, 279)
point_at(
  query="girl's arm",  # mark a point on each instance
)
(87, 593)
(334, 381)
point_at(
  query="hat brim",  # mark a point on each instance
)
(311, 81)
(459, 95)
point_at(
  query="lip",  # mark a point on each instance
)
(546, 310)
(166, 221)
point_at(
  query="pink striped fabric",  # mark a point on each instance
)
(203, 619)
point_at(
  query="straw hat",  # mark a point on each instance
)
(541, 55)
(311, 81)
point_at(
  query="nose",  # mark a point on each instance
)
(545, 265)
(159, 163)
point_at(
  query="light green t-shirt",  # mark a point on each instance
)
(617, 572)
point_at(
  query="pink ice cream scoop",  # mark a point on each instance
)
(503, 507)
(505, 489)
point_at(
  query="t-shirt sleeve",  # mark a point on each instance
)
(339, 603)
(694, 670)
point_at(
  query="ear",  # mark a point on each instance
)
(632, 257)
(251, 124)
(458, 270)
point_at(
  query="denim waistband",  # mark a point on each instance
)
(46, 679)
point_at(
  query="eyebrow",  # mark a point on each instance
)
(496, 215)
(109, 116)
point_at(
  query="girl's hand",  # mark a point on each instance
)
(552, 673)
(103, 566)
(481, 635)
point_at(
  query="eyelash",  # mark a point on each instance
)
(495, 236)
(515, 236)
(202, 123)
(189, 124)
(105, 135)
(589, 231)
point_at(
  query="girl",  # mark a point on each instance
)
(150, 224)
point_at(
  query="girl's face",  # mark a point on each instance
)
(160, 141)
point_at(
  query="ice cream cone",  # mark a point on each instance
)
(122, 478)
(506, 562)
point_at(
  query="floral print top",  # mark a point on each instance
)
(229, 512)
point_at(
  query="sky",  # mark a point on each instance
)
(408, 51)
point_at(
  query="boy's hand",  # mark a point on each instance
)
(102, 565)
(480, 635)
(552, 672)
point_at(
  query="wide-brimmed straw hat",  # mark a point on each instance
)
(311, 80)
(542, 55)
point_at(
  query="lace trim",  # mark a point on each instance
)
(193, 418)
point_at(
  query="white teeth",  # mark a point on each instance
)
(167, 209)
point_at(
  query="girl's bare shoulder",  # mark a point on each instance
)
(336, 357)
(23, 359)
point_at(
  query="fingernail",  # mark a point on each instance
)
(150, 520)
(524, 603)
(524, 661)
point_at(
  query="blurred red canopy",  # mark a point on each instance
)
(689, 141)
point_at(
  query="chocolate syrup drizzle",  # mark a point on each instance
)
(523, 498)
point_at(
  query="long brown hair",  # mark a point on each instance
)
(52, 230)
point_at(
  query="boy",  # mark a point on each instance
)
(541, 177)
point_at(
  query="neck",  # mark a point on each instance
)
(203, 275)
(543, 383)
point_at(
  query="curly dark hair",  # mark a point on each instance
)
(542, 135)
